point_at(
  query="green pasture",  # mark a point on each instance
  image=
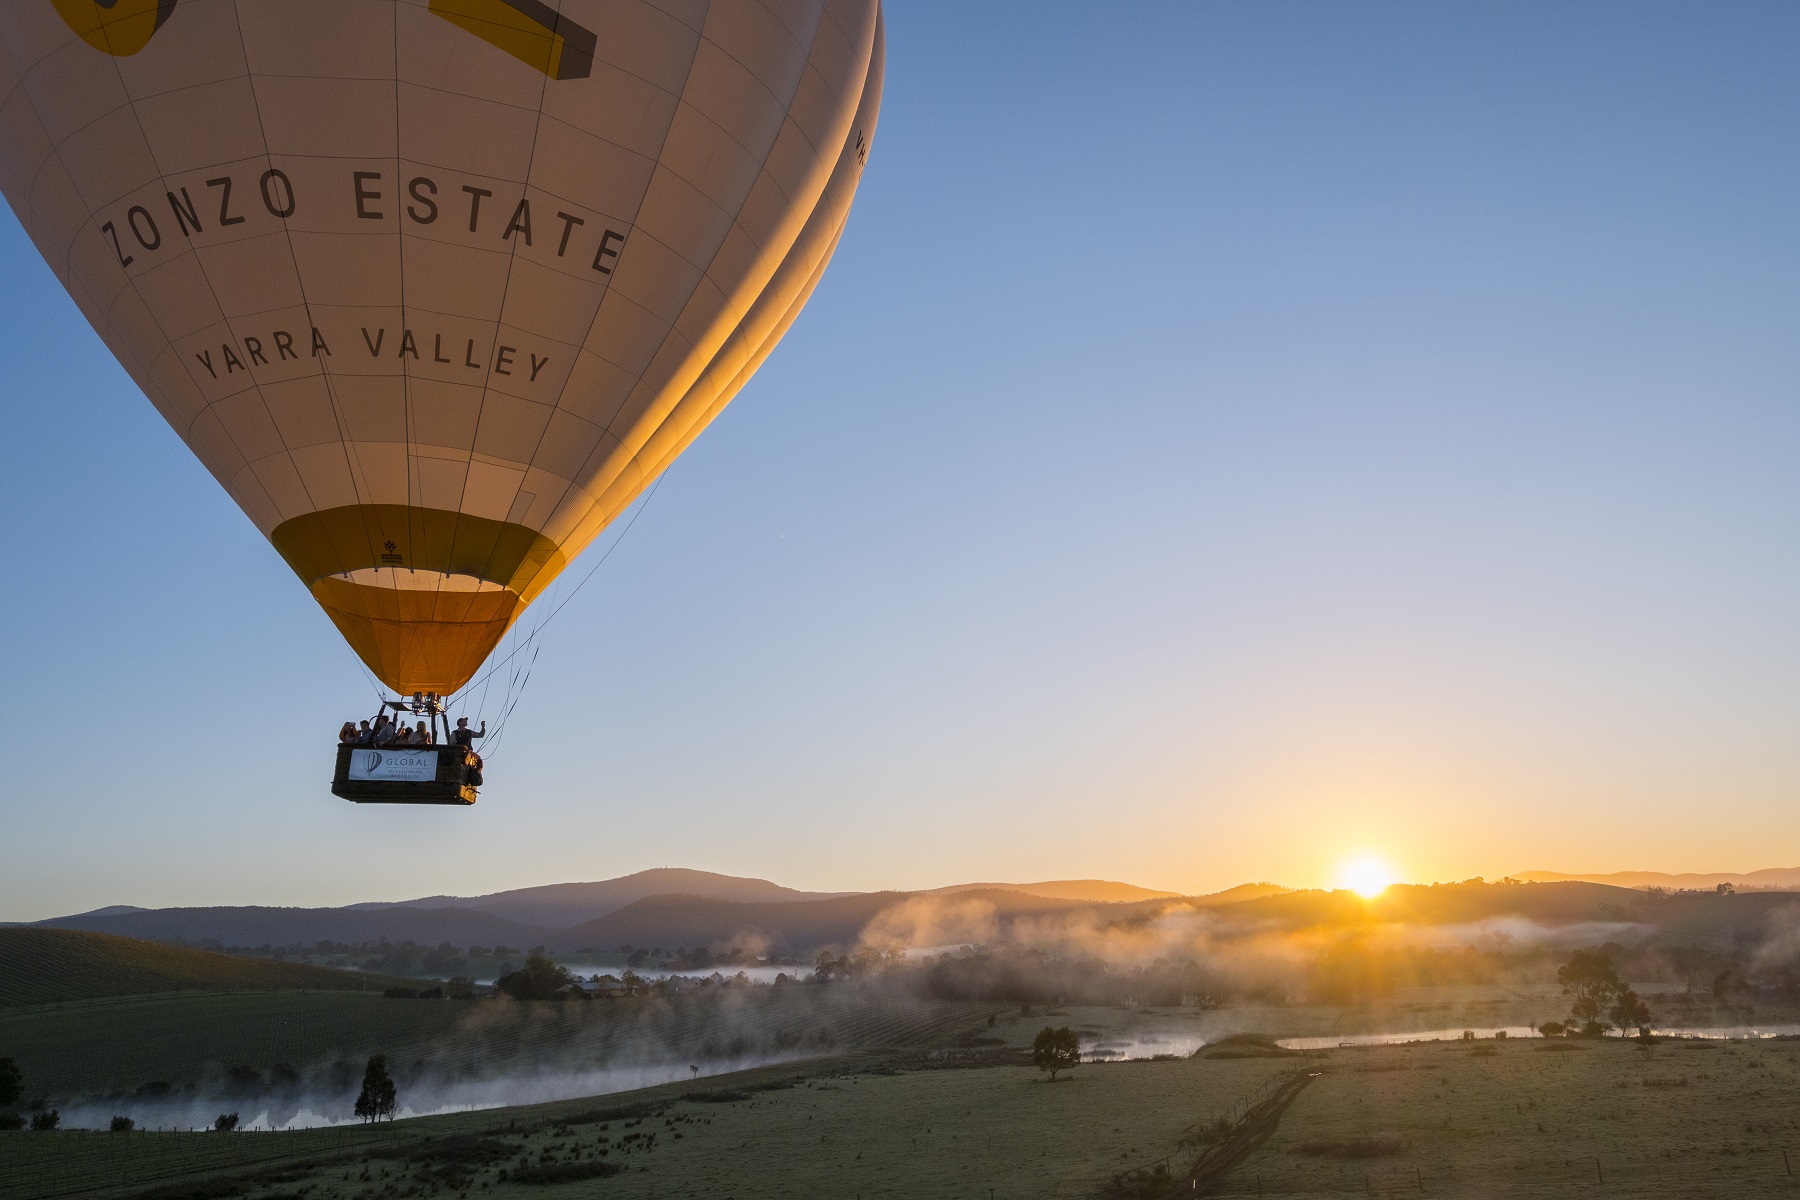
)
(1515, 1118)
(112, 1048)
(48, 966)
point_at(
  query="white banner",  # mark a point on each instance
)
(394, 763)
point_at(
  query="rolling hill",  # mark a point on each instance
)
(1770, 877)
(42, 966)
(1100, 891)
(250, 926)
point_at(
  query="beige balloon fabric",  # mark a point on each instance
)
(436, 288)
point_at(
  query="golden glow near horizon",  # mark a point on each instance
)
(1366, 875)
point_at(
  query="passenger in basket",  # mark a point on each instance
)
(422, 736)
(462, 735)
(365, 736)
(384, 731)
(347, 734)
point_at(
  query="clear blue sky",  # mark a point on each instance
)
(1231, 436)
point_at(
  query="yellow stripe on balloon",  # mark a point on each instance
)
(121, 28)
(530, 31)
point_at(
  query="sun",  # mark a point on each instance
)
(1366, 875)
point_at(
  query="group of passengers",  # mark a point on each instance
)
(384, 732)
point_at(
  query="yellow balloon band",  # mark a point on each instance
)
(121, 28)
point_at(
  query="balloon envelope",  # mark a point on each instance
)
(435, 288)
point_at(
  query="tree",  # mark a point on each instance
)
(539, 979)
(1591, 983)
(1629, 1011)
(46, 1120)
(123, 1125)
(12, 1082)
(1055, 1050)
(226, 1123)
(378, 1097)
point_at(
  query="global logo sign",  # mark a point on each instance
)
(398, 766)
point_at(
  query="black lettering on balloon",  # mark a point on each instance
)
(475, 195)
(205, 357)
(254, 346)
(357, 179)
(503, 359)
(125, 260)
(225, 217)
(437, 350)
(287, 186)
(407, 345)
(185, 213)
(521, 221)
(374, 345)
(413, 189)
(537, 366)
(148, 241)
(284, 344)
(469, 356)
(318, 346)
(231, 361)
(606, 250)
(569, 223)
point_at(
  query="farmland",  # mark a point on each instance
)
(1519, 1117)
(47, 966)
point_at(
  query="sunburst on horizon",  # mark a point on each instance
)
(1366, 875)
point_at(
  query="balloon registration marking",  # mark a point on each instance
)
(117, 27)
(532, 32)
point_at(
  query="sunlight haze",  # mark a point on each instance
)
(1228, 436)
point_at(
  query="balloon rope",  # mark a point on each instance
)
(642, 505)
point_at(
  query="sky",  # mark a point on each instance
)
(1232, 439)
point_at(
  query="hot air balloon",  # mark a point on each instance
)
(436, 288)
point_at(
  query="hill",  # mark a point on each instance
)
(41, 966)
(1769, 877)
(249, 926)
(1100, 891)
(803, 928)
(561, 905)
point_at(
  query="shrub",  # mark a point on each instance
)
(11, 1121)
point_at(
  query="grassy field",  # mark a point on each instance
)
(1518, 1118)
(48, 966)
(1536, 1118)
(888, 1099)
(94, 1059)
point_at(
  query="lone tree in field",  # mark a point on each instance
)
(1591, 983)
(1630, 1012)
(378, 1098)
(12, 1083)
(1055, 1050)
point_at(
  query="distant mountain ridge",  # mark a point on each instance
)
(671, 908)
(561, 905)
(1781, 878)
